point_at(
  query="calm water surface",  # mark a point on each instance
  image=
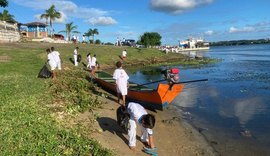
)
(234, 100)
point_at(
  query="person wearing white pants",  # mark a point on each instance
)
(76, 56)
(57, 58)
(146, 121)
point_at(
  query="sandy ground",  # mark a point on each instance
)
(172, 136)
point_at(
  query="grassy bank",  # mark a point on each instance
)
(36, 114)
(28, 126)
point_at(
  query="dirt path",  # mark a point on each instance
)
(172, 138)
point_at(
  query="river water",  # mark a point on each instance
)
(232, 109)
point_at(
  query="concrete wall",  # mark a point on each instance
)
(8, 32)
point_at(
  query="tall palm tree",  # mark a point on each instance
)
(88, 34)
(45, 16)
(92, 32)
(5, 16)
(69, 28)
(52, 15)
(3, 3)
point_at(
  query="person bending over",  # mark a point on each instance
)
(146, 122)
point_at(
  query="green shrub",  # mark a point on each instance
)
(73, 89)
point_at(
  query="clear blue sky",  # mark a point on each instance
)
(174, 20)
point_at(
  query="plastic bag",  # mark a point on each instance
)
(123, 118)
(79, 58)
(44, 72)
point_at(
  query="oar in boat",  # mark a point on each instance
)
(191, 81)
(150, 83)
(173, 83)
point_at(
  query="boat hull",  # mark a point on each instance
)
(193, 49)
(150, 98)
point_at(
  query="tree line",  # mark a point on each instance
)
(240, 42)
(148, 39)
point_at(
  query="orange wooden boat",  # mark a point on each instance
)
(150, 98)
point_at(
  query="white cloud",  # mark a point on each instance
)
(176, 6)
(69, 9)
(209, 32)
(123, 34)
(61, 20)
(126, 34)
(102, 21)
(239, 30)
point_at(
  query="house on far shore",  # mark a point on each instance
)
(34, 30)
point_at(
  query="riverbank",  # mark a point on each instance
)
(172, 135)
(68, 107)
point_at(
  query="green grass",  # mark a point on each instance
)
(27, 125)
(28, 104)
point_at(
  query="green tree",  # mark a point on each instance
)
(92, 32)
(150, 39)
(98, 41)
(3, 3)
(87, 34)
(70, 28)
(52, 15)
(5, 16)
(46, 16)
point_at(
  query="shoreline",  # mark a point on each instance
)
(198, 136)
(183, 139)
(172, 134)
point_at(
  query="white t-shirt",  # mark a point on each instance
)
(52, 62)
(136, 111)
(56, 56)
(93, 61)
(124, 53)
(89, 59)
(121, 78)
(75, 52)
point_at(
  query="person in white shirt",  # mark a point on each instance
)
(88, 60)
(93, 64)
(121, 80)
(124, 54)
(57, 58)
(75, 54)
(51, 62)
(146, 121)
(73, 38)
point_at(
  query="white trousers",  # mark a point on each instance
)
(89, 65)
(75, 60)
(58, 64)
(132, 133)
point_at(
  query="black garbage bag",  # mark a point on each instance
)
(123, 118)
(44, 72)
(79, 58)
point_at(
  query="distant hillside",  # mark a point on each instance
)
(240, 42)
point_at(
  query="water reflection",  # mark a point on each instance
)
(235, 98)
(187, 98)
(243, 109)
